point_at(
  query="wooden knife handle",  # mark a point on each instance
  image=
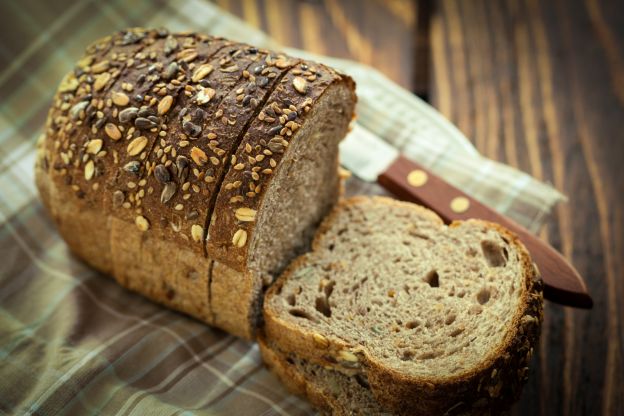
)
(411, 182)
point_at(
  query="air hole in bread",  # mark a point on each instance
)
(322, 305)
(407, 355)
(331, 247)
(412, 324)
(299, 313)
(456, 332)
(428, 355)
(471, 252)
(291, 299)
(361, 380)
(493, 253)
(483, 296)
(329, 288)
(432, 278)
(407, 289)
(450, 318)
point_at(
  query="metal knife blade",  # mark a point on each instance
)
(372, 159)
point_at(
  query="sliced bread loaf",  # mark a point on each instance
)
(437, 318)
(145, 131)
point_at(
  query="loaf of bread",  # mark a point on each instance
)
(192, 168)
(394, 309)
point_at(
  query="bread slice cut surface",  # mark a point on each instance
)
(429, 312)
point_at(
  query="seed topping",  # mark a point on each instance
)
(164, 105)
(137, 145)
(300, 84)
(245, 214)
(240, 238)
(142, 223)
(198, 156)
(112, 131)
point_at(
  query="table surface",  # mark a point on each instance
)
(537, 85)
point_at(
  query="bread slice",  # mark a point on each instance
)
(281, 183)
(437, 318)
(332, 392)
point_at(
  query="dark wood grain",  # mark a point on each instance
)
(537, 85)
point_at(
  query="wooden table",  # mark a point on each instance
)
(537, 85)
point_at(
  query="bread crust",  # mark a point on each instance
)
(488, 388)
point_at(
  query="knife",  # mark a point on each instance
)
(372, 159)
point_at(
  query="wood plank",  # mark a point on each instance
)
(539, 85)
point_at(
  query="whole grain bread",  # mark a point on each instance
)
(139, 139)
(439, 319)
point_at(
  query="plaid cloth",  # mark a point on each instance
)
(73, 342)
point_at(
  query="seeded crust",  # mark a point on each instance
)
(279, 222)
(141, 112)
(488, 386)
(231, 238)
(331, 392)
(184, 170)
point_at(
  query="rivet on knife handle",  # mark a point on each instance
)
(411, 182)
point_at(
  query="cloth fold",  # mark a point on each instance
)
(72, 341)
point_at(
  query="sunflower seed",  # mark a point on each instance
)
(76, 111)
(171, 44)
(144, 123)
(191, 129)
(168, 191)
(162, 174)
(146, 111)
(182, 167)
(128, 114)
(132, 167)
(275, 130)
(171, 71)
